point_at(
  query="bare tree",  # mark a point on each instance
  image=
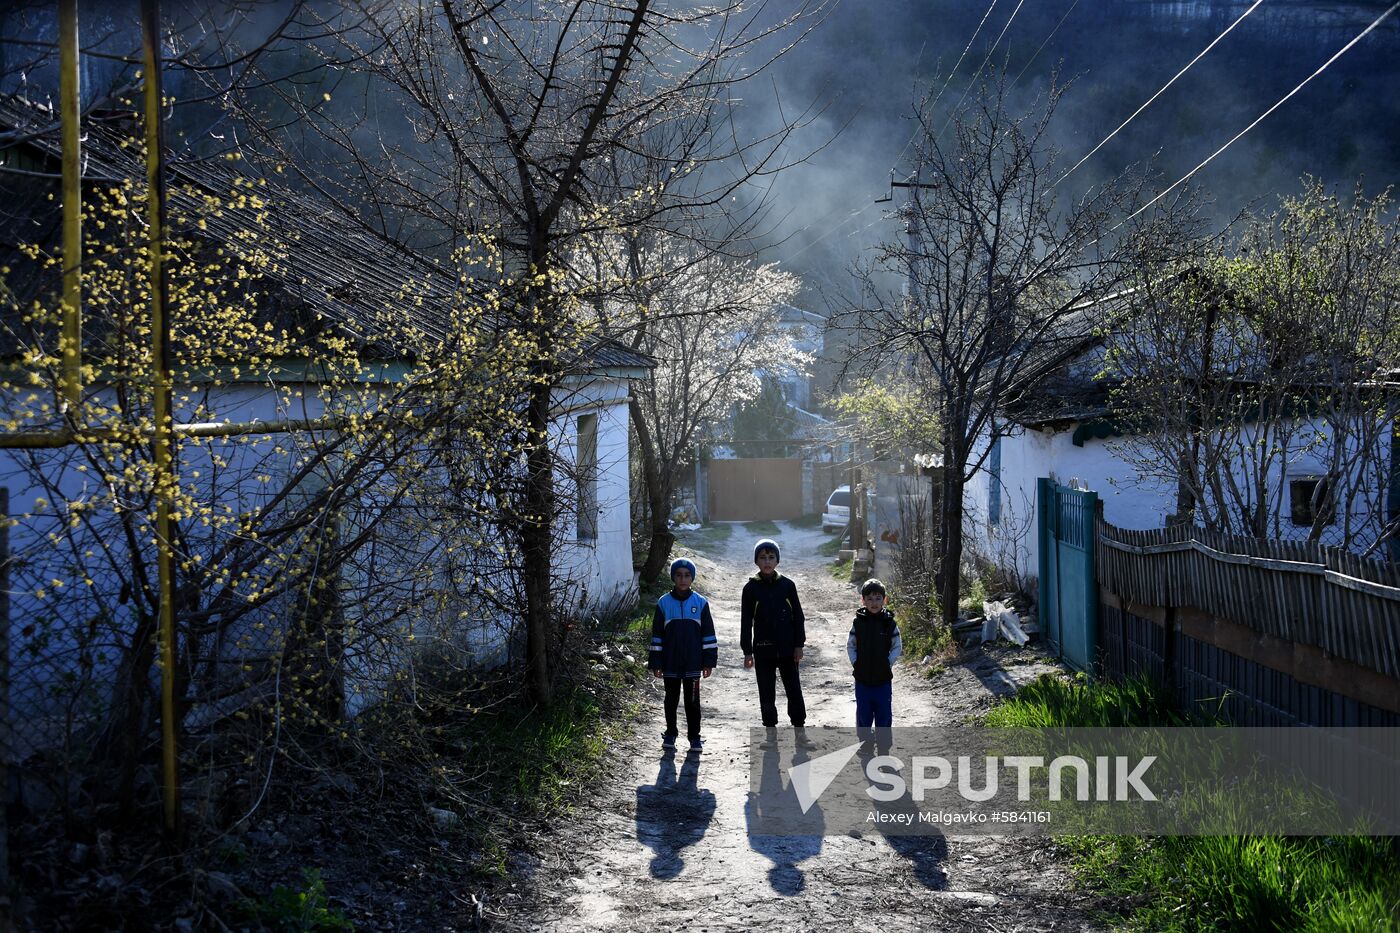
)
(998, 268)
(511, 119)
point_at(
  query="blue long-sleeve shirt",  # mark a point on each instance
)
(683, 642)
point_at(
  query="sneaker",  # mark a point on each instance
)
(696, 746)
(668, 742)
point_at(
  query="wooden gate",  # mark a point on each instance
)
(1068, 587)
(755, 489)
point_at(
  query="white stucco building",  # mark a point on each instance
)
(1064, 429)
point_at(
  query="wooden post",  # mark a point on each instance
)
(70, 109)
(162, 442)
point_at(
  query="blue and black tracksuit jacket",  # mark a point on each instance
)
(683, 639)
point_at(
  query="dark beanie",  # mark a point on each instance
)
(767, 544)
(680, 562)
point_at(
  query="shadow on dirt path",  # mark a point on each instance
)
(666, 841)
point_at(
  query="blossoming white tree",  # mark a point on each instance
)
(712, 325)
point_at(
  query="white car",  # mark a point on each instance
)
(838, 509)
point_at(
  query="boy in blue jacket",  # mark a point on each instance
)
(683, 650)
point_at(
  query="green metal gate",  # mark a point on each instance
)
(1068, 587)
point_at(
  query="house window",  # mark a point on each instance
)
(586, 467)
(994, 484)
(1309, 497)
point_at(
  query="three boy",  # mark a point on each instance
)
(772, 634)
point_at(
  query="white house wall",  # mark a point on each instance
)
(599, 571)
(1028, 454)
(46, 633)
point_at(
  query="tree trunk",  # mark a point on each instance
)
(950, 565)
(658, 484)
(536, 540)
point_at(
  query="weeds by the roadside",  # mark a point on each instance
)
(289, 910)
(832, 546)
(841, 569)
(1050, 701)
(706, 537)
(1212, 883)
(1229, 883)
(762, 529)
(974, 593)
(807, 521)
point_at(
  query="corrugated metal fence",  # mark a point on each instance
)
(1260, 632)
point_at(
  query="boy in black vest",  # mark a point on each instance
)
(873, 645)
(772, 633)
(683, 650)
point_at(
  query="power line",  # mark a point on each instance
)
(868, 201)
(1325, 65)
(1044, 44)
(1159, 93)
(915, 135)
(978, 72)
(949, 79)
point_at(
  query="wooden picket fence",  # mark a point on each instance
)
(1262, 632)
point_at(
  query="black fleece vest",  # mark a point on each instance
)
(874, 640)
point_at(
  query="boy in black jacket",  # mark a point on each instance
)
(772, 633)
(683, 649)
(873, 645)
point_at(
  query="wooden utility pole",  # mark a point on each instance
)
(162, 441)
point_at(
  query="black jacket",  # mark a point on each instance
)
(771, 624)
(873, 645)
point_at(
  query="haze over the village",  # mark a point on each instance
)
(876, 60)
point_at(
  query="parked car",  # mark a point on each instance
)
(838, 509)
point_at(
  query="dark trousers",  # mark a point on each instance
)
(692, 705)
(766, 671)
(874, 705)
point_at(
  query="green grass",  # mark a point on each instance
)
(841, 569)
(504, 764)
(924, 640)
(707, 538)
(973, 595)
(540, 753)
(1050, 701)
(1184, 884)
(831, 547)
(763, 529)
(1246, 883)
(807, 521)
(293, 910)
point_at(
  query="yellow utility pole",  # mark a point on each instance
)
(162, 441)
(69, 104)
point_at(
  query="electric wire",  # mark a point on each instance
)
(1259, 119)
(1214, 42)
(1042, 45)
(978, 73)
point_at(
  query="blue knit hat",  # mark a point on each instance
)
(680, 562)
(767, 544)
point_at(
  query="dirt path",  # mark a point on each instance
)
(665, 845)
